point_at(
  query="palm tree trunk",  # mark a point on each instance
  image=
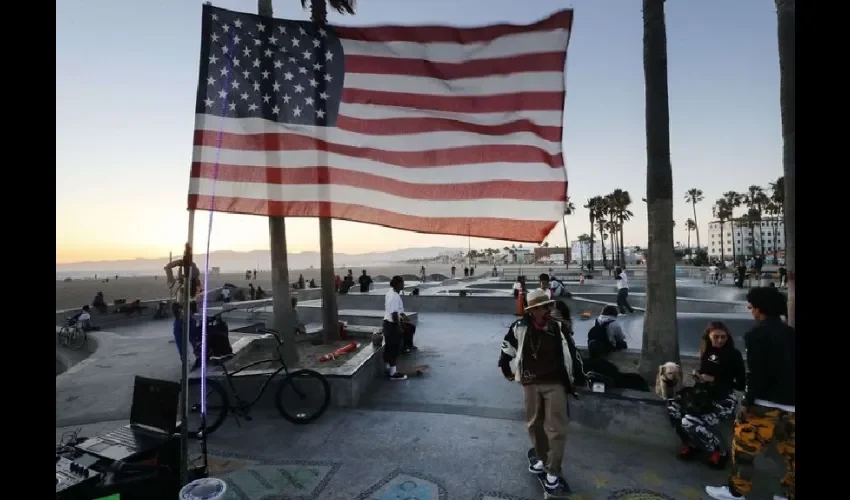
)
(567, 250)
(591, 241)
(696, 223)
(722, 244)
(734, 259)
(690, 253)
(660, 334)
(622, 251)
(786, 28)
(602, 240)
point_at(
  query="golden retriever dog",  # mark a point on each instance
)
(668, 380)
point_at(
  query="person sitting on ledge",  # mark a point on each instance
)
(695, 412)
(99, 304)
(606, 334)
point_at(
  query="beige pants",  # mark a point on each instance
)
(546, 419)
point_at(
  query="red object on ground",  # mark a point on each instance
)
(339, 352)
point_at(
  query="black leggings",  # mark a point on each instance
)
(392, 342)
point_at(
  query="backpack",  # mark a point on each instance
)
(597, 340)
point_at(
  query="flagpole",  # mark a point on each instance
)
(184, 348)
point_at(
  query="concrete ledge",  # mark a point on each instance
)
(66, 358)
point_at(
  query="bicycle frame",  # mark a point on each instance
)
(239, 403)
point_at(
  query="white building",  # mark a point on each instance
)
(767, 235)
(580, 251)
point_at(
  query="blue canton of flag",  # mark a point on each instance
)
(279, 70)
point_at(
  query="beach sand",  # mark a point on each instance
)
(76, 293)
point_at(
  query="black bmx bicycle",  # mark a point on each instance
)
(72, 335)
(302, 395)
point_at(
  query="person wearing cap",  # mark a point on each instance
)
(545, 367)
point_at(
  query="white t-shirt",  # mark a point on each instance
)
(84, 317)
(225, 292)
(392, 304)
(548, 291)
(517, 285)
(623, 282)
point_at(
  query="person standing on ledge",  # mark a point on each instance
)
(622, 291)
(768, 408)
(545, 369)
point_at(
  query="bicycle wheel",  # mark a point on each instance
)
(303, 396)
(62, 337)
(77, 338)
(217, 407)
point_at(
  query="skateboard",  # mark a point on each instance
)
(541, 478)
(417, 370)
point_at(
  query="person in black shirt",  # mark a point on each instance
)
(365, 280)
(721, 371)
(768, 409)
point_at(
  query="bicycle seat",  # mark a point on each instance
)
(218, 360)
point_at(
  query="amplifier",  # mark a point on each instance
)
(73, 476)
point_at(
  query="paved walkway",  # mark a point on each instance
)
(455, 434)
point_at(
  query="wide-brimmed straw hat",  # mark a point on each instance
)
(538, 298)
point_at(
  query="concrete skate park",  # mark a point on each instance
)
(623, 437)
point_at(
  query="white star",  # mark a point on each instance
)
(293, 60)
(307, 54)
(215, 17)
(261, 27)
(278, 65)
(320, 113)
(323, 96)
(308, 101)
(288, 76)
(257, 41)
(316, 43)
(252, 107)
(236, 40)
(282, 29)
(276, 109)
(268, 52)
(224, 49)
(286, 98)
(237, 23)
(322, 32)
(302, 70)
(298, 88)
(236, 62)
(234, 84)
(256, 63)
(214, 37)
(224, 71)
(244, 96)
(296, 111)
(257, 86)
(265, 75)
(232, 106)
(246, 51)
(225, 28)
(329, 55)
(295, 42)
(266, 98)
(313, 83)
(273, 40)
(302, 31)
(276, 86)
(317, 67)
(328, 77)
(208, 102)
(246, 74)
(210, 80)
(222, 93)
(213, 59)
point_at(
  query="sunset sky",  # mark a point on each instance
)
(126, 77)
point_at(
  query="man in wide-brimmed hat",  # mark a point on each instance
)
(544, 367)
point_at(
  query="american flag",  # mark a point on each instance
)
(425, 128)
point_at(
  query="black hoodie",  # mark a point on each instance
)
(771, 363)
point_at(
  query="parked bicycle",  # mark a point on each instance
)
(72, 335)
(302, 396)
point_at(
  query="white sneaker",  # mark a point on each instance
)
(721, 493)
(537, 468)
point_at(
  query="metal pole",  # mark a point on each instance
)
(184, 346)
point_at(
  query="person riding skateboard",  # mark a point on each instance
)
(544, 367)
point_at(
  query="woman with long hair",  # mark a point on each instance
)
(694, 412)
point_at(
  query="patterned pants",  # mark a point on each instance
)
(762, 426)
(697, 430)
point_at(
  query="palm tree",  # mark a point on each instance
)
(660, 335)
(786, 17)
(777, 201)
(723, 212)
(569, 209)
(733, 200)
(755, 200)
(690, 225)
(591, 207)
(601, 211)
(621, 200)
(694, 196)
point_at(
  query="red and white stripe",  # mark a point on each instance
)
(440, 130)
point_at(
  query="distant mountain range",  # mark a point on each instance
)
(232, 261)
